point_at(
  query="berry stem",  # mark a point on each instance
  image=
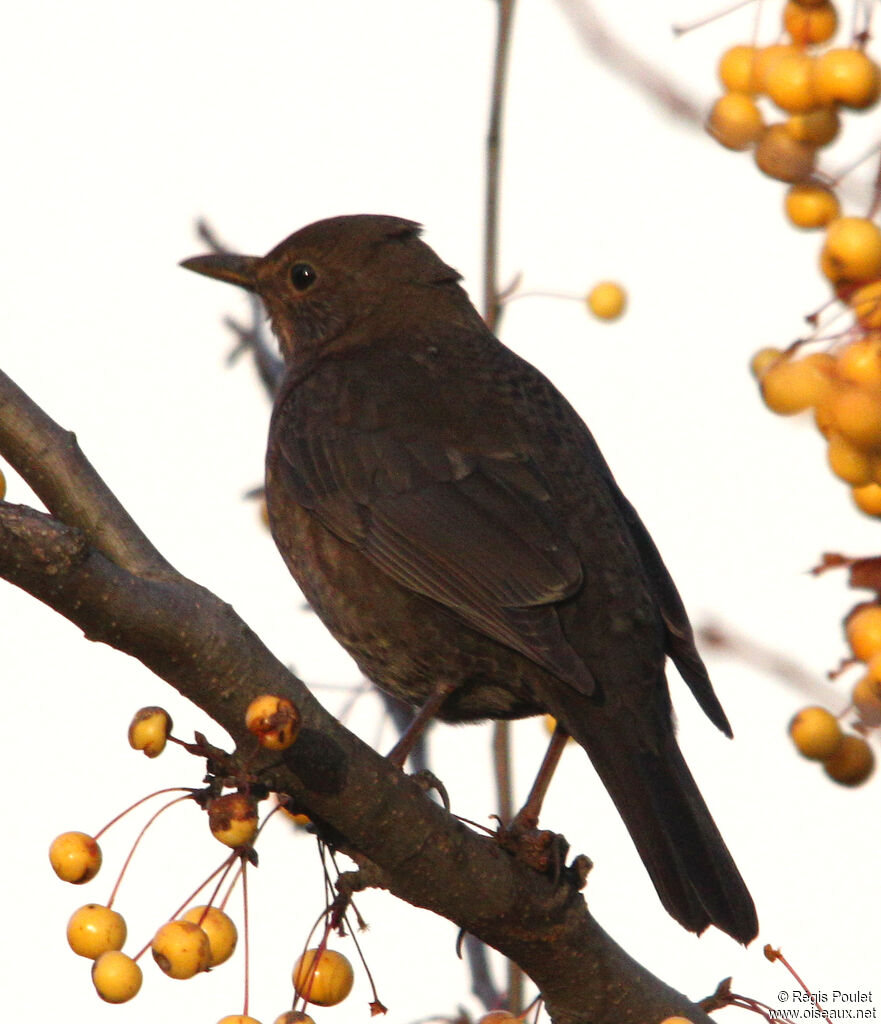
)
(141, 834)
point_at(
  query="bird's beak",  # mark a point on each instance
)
(226, 266)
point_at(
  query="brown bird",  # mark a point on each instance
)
(449, 516)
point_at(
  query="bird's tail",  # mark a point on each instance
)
(671, 826)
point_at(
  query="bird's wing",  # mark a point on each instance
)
(680, 643)
(476, 533)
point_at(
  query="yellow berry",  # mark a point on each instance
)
(856, 413)
(324, 979)
(93, 930)
(860, 361)
(294, 1017)
(815, 733)
(297, 817)
(233, 819)
(116, 977)
(851, 250)
(181, 949)
(811, 206)
(846, 76)
(238, 1018)
(737, 69)
(808, 25)
(676, 1020)
(763, 360)
(789, 82)
(767, 58)
(852, 762)
(2, 485)
(868, 499)
(849, 463)
(607, 300)
(735, 121)
(75, 857)
(149, 730)
(275, 721)
(866, 305)
(780, 156)
(817, 127)
(866, 698)
(790, 386)
(219, 927)
(863, 629)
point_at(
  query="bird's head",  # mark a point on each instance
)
(329, 276)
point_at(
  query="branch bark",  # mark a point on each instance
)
(90, 562)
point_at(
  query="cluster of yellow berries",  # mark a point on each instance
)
(847, 757)
(204, 936)
(843, 388)
(810, 85)
(807, 84)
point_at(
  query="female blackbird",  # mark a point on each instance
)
(451, 519)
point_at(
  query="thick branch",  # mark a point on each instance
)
(403, 841)
(51, 461)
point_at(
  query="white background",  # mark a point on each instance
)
(124, 122)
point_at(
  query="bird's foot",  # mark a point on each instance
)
(540, 849)
(427, 781)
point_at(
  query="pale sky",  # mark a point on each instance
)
(125, 122)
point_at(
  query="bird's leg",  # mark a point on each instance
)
(400, 751)
(527, 816)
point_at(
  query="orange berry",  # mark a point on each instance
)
(293, 1017)
(863, 629)
(849, 463)
(856, 413)
(851, 251)
(790, 386)
(93, 930)
(817, 127)
(219, 927)
(149, 730)
(238, 1018)
(116, 977)
(737, 69)
(497, 1017)
(846, 76)
(852, 763)
(815, 733)
(811, 206)
(735, 121)
(866, 698)
(808, 25)
(232, 819)
(780, 156)
(275, 721)
(75, 857)
(181, 949)
(766, 59)
(868, 499)
(607, 300)
(324, 979)
(866, 305)
(860, 362)
(789, 81)
(763, 360)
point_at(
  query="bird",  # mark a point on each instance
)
(449, 516)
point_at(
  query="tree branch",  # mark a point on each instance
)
(91, 563)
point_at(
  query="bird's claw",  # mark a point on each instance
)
(427, 781)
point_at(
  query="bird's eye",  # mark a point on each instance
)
(303, 276)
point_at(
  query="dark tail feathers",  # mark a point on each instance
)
(686, 857)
